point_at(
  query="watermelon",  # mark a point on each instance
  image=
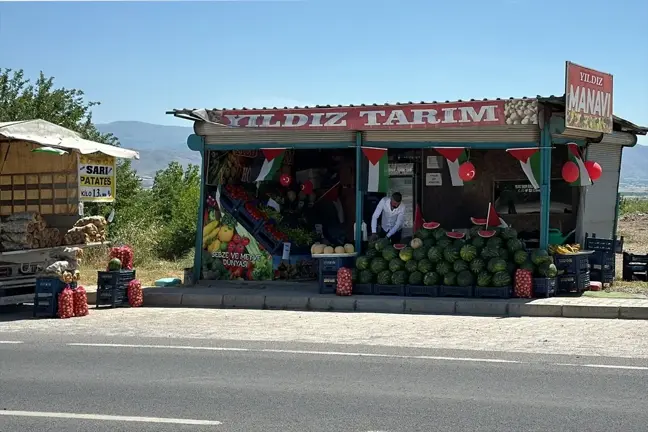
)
(396, 264)
(478, 242)
(450, 279)
(406, 253)
(372, 253)
(465, 278)
(514, 245)
(477, 221)
(114, 264)
(384, 278)
(399, 277)
(415, 278)
(496, 265)
(468, 252)
(435, 254)
(382, 244)
(539, 256)
(477, 265)
(486, 233)
(423, 234)
(460, 265)
(399, 246)
(520, 257)
(451, 254)
(431, 225)
(443, 268)
(501, 279)
(439, 233)
(484, 279)
(455, 235)
(378, 265)
(389, 253)
(528, 265)
(444, 242)
(474, 231)
(488, 253)
(420, 253)
(362, 263)
(365, 277)
(431, 278)
(503, 253)
(429, 242)
(411, 266)
(547, 270)
(494, 242)
(425, 266)
(509, 233)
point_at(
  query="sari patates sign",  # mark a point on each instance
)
(588, 99)
(414, 116)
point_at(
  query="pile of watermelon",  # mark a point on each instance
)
(486, 258)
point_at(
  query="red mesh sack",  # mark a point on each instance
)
(80, 302)
(135, 294)
(66, 303)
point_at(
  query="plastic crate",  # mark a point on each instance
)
(545, 287)
(328, 284)
(422, 290)
(574, 283)
(603, 276)
(266, 240)
(456, 291)
(393, 290)
(46, 296)
(245, 218)
(112, 287)
(635, 267)
(604, 245)
(229, 204)
(602, 260)
(504, 292)
(573, 263)
(363, 289)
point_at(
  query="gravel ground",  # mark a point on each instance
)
(614, 338)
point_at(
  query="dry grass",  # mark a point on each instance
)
(634, 228)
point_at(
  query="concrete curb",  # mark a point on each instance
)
(386, 304)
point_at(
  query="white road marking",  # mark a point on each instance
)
(102, 417)
(11, 342)
(350, 354)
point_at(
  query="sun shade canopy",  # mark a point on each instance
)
(48, 134)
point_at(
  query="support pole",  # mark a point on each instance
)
(359, 195)
(197, 143)
(545, 184)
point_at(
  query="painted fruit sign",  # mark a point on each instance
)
(588, 99)
(230, 251)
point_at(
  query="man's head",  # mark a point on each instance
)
(396, 199)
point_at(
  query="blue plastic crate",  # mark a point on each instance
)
(603, 276)
(456, 291)
(603, 260)
(573, 263)
(229, 204)
(363, 289)
(245, 218)
(504, 292)
(328, 285)
(268, 242)
(422, 290)
(604, 245)
(545, 287)
(331, 265)
(574, 283)
(46, 296)
(393, 290)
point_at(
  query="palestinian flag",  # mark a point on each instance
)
(493, 219)
(530, 161)
(375, 170)
(455, 157)
(576, 157)
(271, 164)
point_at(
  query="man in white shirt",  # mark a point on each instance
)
(392, 214)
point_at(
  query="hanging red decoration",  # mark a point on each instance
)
(285, 180)
(570, 172)
(467, 171)
(307, 187)
(593, 169)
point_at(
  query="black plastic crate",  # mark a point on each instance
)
(46, 296)
(229, 204)
(422, 290)
(504, 292)
(604, 245)
(363, 289)
(635, 267)
(574, 283)
(112, 297)
(456, 291)
(602, 260)
(266, 240)
(573, 263)
(545, 287)
(393, 290)
(245, 218)
(112, 287)
(603, 276)
(328, 284)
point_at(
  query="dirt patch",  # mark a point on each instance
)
(634, 229)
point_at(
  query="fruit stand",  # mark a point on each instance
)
(491, 185)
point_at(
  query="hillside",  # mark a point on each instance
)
(158, 145)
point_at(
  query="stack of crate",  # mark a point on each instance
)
(46, 296)
(602, 260)
(575, 276)
(112, 287)
(328, 268)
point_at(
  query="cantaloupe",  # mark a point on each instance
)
(416, 243)
(317, 249)
(313, 246)
(339, 250)
(329, 250)
(348, 248)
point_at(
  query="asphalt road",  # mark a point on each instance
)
(288, 387)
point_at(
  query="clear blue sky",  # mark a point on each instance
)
(140, 59)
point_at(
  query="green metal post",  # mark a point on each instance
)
(359, 194)
(545, 184)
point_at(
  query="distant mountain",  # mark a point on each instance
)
(158, 145)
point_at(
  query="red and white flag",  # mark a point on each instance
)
(493, 219)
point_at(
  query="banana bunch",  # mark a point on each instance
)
(564, 249)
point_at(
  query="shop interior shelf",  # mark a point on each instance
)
(422, 291)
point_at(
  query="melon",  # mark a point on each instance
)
(399, 246)
(114, 265)
(477, 221)
(486, 234)
(317, 249)
(455, 235)
(328, 250)
(339, 250)
(431, 225)
(349, 248)
(313, 247)
(416, 243)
